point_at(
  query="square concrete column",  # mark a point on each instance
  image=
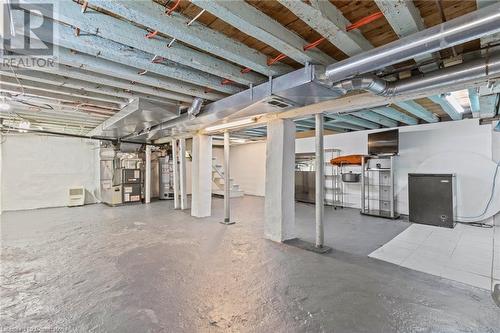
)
(201, 176)
(279, 221)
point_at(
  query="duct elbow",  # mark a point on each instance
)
(372, 84)
(195, 107)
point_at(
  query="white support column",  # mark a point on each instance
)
(175, 166)
(320, 181)
(227, 181)
(147, 176)
(182, 173)
(279, 222)
(201, 186)
(1, 144)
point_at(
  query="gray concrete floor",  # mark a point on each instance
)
(148, 268)
(348, 230)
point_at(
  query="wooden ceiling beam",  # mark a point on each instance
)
(418, 111)
(182, 79)
(137, 84)
(394, 114)
(328, 21)
(405, 20)
(55, 78)
(151, 15)
(17, 90)
(125, 33)
(57, 88)
(376, 118)
(254, 23)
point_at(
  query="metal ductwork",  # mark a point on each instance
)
(313, 84)
(195, 107)
(298, 88)
(485, 67)
(465, 28)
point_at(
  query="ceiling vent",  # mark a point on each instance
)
(279, 103)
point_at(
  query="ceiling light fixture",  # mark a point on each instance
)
(234, 124)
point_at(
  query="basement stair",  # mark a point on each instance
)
(218, 182)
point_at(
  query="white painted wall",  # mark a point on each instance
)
(38, 170)
(460, 147)
(248, 167)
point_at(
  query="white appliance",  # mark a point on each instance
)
(76, 196)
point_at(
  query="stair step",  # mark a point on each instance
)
(232, 194)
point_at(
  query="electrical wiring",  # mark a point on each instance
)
(492, 194)
(492, 278)
(17, 78)
(42, 106)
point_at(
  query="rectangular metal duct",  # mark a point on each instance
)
(136, 116)
(298, 88)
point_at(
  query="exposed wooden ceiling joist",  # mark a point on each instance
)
(326, 19)
(151, 15)
(16, 90)
(78, 92)
(118, 83)
(182, 79)
(125, 33)
(63, 81)
(254, 23)
(404, 19)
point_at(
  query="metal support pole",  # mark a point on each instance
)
(391, 159)
(363, 176)
(320, 180)
(227, 181)
(182, 172)
(175, 166)
(147, 176)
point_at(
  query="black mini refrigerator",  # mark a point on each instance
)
(431, 199)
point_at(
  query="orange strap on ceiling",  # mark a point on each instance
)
(246, 70)
(174, 7)
(280, 56)
(314, 44)
(364, 21)
(152, 34)
(226, 81)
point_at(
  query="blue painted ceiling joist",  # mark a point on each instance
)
(446, 106)
(418, 111)
(395, 115)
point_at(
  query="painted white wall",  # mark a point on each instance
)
(38, 170)
(460, 147)
(248, 167)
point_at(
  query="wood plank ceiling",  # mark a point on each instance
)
(377, 33)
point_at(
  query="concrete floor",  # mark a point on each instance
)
(147, 268)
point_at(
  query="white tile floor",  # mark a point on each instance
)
(462, 254)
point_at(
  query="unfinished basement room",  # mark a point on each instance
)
(250, 166)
